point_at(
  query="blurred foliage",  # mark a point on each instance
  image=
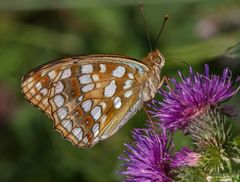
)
(234, 51)
(33, 32)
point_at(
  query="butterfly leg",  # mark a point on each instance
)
(165, 80)
(149, 117)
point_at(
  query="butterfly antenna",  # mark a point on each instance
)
(160, 32)
(178, 61)
(145, 25)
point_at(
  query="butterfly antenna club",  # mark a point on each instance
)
(161, 30)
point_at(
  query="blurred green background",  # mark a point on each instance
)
(32, 32)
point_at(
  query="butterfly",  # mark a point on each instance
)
(89, 98)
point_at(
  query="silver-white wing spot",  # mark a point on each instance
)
(130, 75)
(128, 93)
(44, 91)
(66, 73)
(38, 85)
(119, 71)
(88, 87)
(110, 89)
(88, 68)
(52, 74)
(67, 124)
(59, 87)
(80, 98)
(117, 102)
(128, 84)
(103, 68)
(77, 132)
(62, 113)
(86, 105)
(58, 100)
(96, 112)
(95, 129)
(138, 67)
(85, 79)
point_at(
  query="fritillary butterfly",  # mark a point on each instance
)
(89, 98)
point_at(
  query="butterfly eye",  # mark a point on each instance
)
(156, 59)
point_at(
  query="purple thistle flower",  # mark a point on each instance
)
(186, 158)
(149, 159)
(193, 96)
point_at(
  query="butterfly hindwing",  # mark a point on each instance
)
(36, 86)
(88, 98)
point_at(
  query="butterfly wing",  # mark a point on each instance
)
(89, 98)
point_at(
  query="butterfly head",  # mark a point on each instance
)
(155, 58)
(155, 62)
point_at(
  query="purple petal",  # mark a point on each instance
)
(193, 95)
(149, 159)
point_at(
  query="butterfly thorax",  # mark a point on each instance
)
(155, 62)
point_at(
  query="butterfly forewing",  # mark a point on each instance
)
(88, 98)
